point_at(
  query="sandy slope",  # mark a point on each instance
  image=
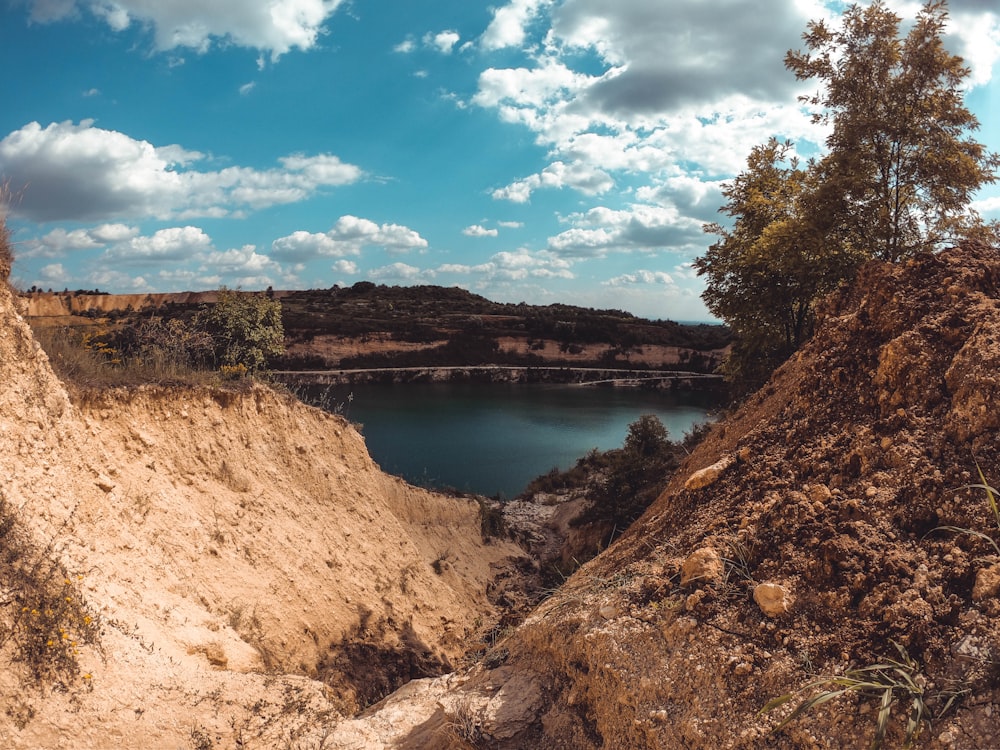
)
(232, 545)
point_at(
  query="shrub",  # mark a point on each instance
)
(246, 329)
(43, 619)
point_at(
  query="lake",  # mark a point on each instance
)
(492, 439)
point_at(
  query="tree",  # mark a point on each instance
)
(897, 179)
(636, 475)
(246, 329)
(901, 170)
(765, 273)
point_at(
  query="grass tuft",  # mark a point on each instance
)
(888, 682)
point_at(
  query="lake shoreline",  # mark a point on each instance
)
(671, 380)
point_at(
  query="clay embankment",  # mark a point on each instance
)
(237, 547)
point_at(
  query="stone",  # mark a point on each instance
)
(772, 598)
(708, 475)
(987, 583)
(702, 566)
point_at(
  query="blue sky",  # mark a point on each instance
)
(527, 150)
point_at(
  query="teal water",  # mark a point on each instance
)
(495, 438)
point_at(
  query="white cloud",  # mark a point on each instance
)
(246, 88)
(92, 92)
(641, 277)
(347, 238)
(401, 272)
(348, 267)
(477, 230)
(513, 266)
(274, 26)
(588, 179)
(405, 47)
(171, 244)
(641, 227)
(444, 41)
(508, 27)
(53, 273)
(511, 224)
(80, 172)
(59, 241)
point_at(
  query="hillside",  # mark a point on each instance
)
(205, 568)
(368, 326)
(824, 499)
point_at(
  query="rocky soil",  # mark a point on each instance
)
(804, 538)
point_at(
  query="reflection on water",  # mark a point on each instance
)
(494, 439)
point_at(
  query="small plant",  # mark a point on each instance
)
(991, 498)
(888, 681)
(43, 619)
(491, 520)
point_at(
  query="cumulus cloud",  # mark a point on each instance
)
(347, 238)
(640, 227)
(348, 267)
(477, 230)
(273, 26)
(641, 277)
(68, 171)
(585, 178)
(509, 25)
(401, 272)
(171, 244)
(444, 41)
(513, 266)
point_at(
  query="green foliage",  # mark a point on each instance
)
(887, 682)
(765, 273)
(896, 180)
(900, 171)
(246, 329)
(991, 500)
(491, 521)
(634, 477)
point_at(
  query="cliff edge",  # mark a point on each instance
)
(211, 568)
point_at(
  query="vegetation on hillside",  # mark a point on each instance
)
(461, 328)
(896, 180)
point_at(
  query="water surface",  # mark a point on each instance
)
(495, 438)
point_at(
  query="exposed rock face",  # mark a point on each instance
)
(239, 551)
(852, 460)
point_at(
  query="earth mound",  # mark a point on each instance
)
(830, 525)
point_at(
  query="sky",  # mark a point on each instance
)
(533, 151)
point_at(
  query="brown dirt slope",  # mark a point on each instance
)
(252, 572)
(831, 484)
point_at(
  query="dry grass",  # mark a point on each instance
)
(43, 619)
(6, 248)
(83, 366)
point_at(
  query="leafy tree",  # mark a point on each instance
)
(901, 169)
(897, 179)
(635, 475)
(766, 271)
(246, 329)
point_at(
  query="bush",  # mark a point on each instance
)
(43, 620)
(246, 329)
(635, 476)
